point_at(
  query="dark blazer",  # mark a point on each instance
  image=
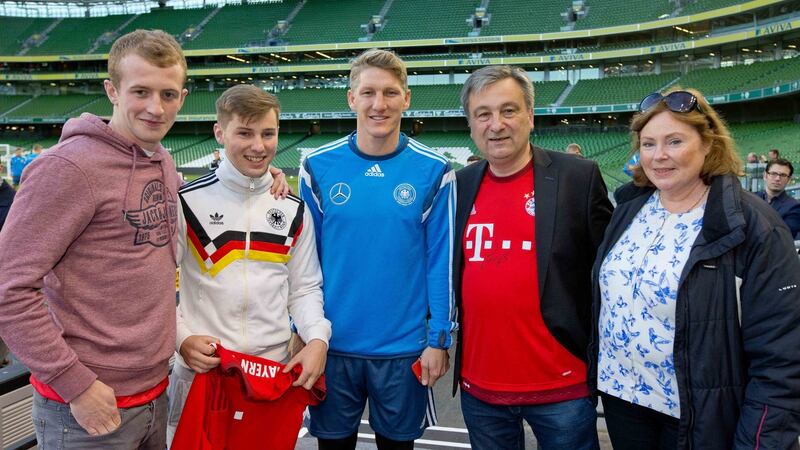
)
(572, 211)
(6, 197)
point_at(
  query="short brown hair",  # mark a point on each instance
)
(382, 59)
(246, 101)
(155, 46)
(722, 158)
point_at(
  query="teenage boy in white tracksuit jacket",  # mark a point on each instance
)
(248, 261)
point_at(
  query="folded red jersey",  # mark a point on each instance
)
(245, 403)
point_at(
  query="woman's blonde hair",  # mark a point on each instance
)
(722, 158)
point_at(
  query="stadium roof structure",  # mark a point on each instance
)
(96, 8)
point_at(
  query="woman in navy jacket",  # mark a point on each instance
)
(696, 296)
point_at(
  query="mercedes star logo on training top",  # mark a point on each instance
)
(339, 193)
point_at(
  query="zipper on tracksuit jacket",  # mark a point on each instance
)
(246, 293)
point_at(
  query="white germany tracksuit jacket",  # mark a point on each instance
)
(248, 262)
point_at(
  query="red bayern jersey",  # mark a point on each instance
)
(507, 348)
(246, 402)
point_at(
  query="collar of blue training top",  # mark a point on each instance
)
(401, 145)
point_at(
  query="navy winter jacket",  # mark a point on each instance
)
(737, 335)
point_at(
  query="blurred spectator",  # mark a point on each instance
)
(215, 162)
(574, 149)
(633, 161)
(18, 162)
(35, 152)
(754, 173)
(6, 198)
(473, 159)
(773, 154)
(776, 176)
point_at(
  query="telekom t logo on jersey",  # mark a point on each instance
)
(480, 242)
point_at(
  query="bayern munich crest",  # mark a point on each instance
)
(530, 207)
(405, 194)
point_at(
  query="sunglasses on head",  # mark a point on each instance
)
(678, 101)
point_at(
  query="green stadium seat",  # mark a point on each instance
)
(442, 19)
(525, 17)
(16, 30)
(609, 13)
(251, 22)
(51, 106)
(76, 36)
(322, 22)
(616, 90)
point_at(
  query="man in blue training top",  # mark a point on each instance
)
(17, 164)
(35, 152)
(383, 208)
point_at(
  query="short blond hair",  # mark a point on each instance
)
(246, 101)
(722, 158)
(382, 59)
(155, 46)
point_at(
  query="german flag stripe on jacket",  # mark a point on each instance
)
(216, 239)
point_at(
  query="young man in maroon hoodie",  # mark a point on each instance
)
(85, 296)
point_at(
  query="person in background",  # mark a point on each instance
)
(6, 198)
(632, 162)
(17, 165)
(574, 149)
(214, 164)
(777, 175)
(752, 158)
(35, 152)
(696, 295)
(773, 154)
(473, 159)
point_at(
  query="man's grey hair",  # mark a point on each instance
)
(486, 76)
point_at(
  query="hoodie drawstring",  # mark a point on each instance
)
(171, 243)
(130, 183)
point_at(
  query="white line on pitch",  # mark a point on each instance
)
(424, 441)
(450, 429)
(436, 428)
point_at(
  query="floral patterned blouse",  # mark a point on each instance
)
(639, 287)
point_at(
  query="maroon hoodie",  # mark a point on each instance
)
(87, 265)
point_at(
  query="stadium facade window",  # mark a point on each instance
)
(429, 79)
(99, 9)
(536, 76)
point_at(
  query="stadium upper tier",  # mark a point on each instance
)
(292, 22)
(627, 89)
(606, 91)
(610, 149)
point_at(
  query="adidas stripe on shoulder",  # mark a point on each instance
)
(205, 180)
